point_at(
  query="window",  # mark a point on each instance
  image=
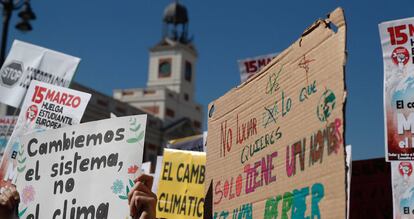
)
(169, 112)
(164, 68)
(186, 97)
(151, 109)
(188, 71)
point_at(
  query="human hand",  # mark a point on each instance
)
(9, 202)
(142, 201)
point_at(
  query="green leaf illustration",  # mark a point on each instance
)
(22, 161)
(127, 190)
(136, 128)
(123, 197)
(21, 169)
(21, 213)
(140, 136)
(132, 140)
(131, 183)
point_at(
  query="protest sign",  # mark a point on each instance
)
(156, 174)
(45, 107)
(181, 185)
(81, 171)
(192, 143)
(403, 189)
(276, 143)
(250, 66)
(7, 124)
(26, 62)
(397, 39)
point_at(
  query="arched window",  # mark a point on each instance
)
(164, 68)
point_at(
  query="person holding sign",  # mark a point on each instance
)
(141, 200)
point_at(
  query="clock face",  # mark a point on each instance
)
(164, 68)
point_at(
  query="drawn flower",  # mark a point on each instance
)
(132, 169)
(117, 187)
(28, 194)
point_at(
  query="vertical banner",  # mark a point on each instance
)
(26, 62)
(45, 107)
(397, 40)
(250, 66)
(181, 185)
(276, 144)
(7, 124)
(81, 171)
(403, 189)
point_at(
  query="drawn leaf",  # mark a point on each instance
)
(21, 152)
(21, 169)
(21, 213)
(131, 183)
(127, 190)
(123, 197)
(22, 161)
(140, 136)
(132, 140)
(136, 128)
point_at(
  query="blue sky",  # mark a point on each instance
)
(113, 38)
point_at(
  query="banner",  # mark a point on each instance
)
(82, 171)
(26, 62)
(7, 124)
(181, 185)
(250, 66)
(397, 40)
(45, 107)
(276, 144)
(403, 189)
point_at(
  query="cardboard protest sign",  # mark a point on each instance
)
(26, 62)
(403, 189)
(181, 185)
(397, 39)
(250, 66)
(192, 143)
(7, 124)
(82, 171)
(45, 107)
(276, 143)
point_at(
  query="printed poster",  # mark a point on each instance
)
(250, 66)
(397, 40)
(45, 107)
(403, 189)
(276, 144)
(80, 171)
(7, 124)
(26, 62)
(181, 185)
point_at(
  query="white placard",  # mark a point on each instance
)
(26, 62)
(83, 171)
(45, 107)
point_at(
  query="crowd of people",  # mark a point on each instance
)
(142, 201)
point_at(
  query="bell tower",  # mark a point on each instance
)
(172, 60)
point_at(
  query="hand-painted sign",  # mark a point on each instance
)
(82, 171)
(275, 145)
(250, 66)
(181, 185)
